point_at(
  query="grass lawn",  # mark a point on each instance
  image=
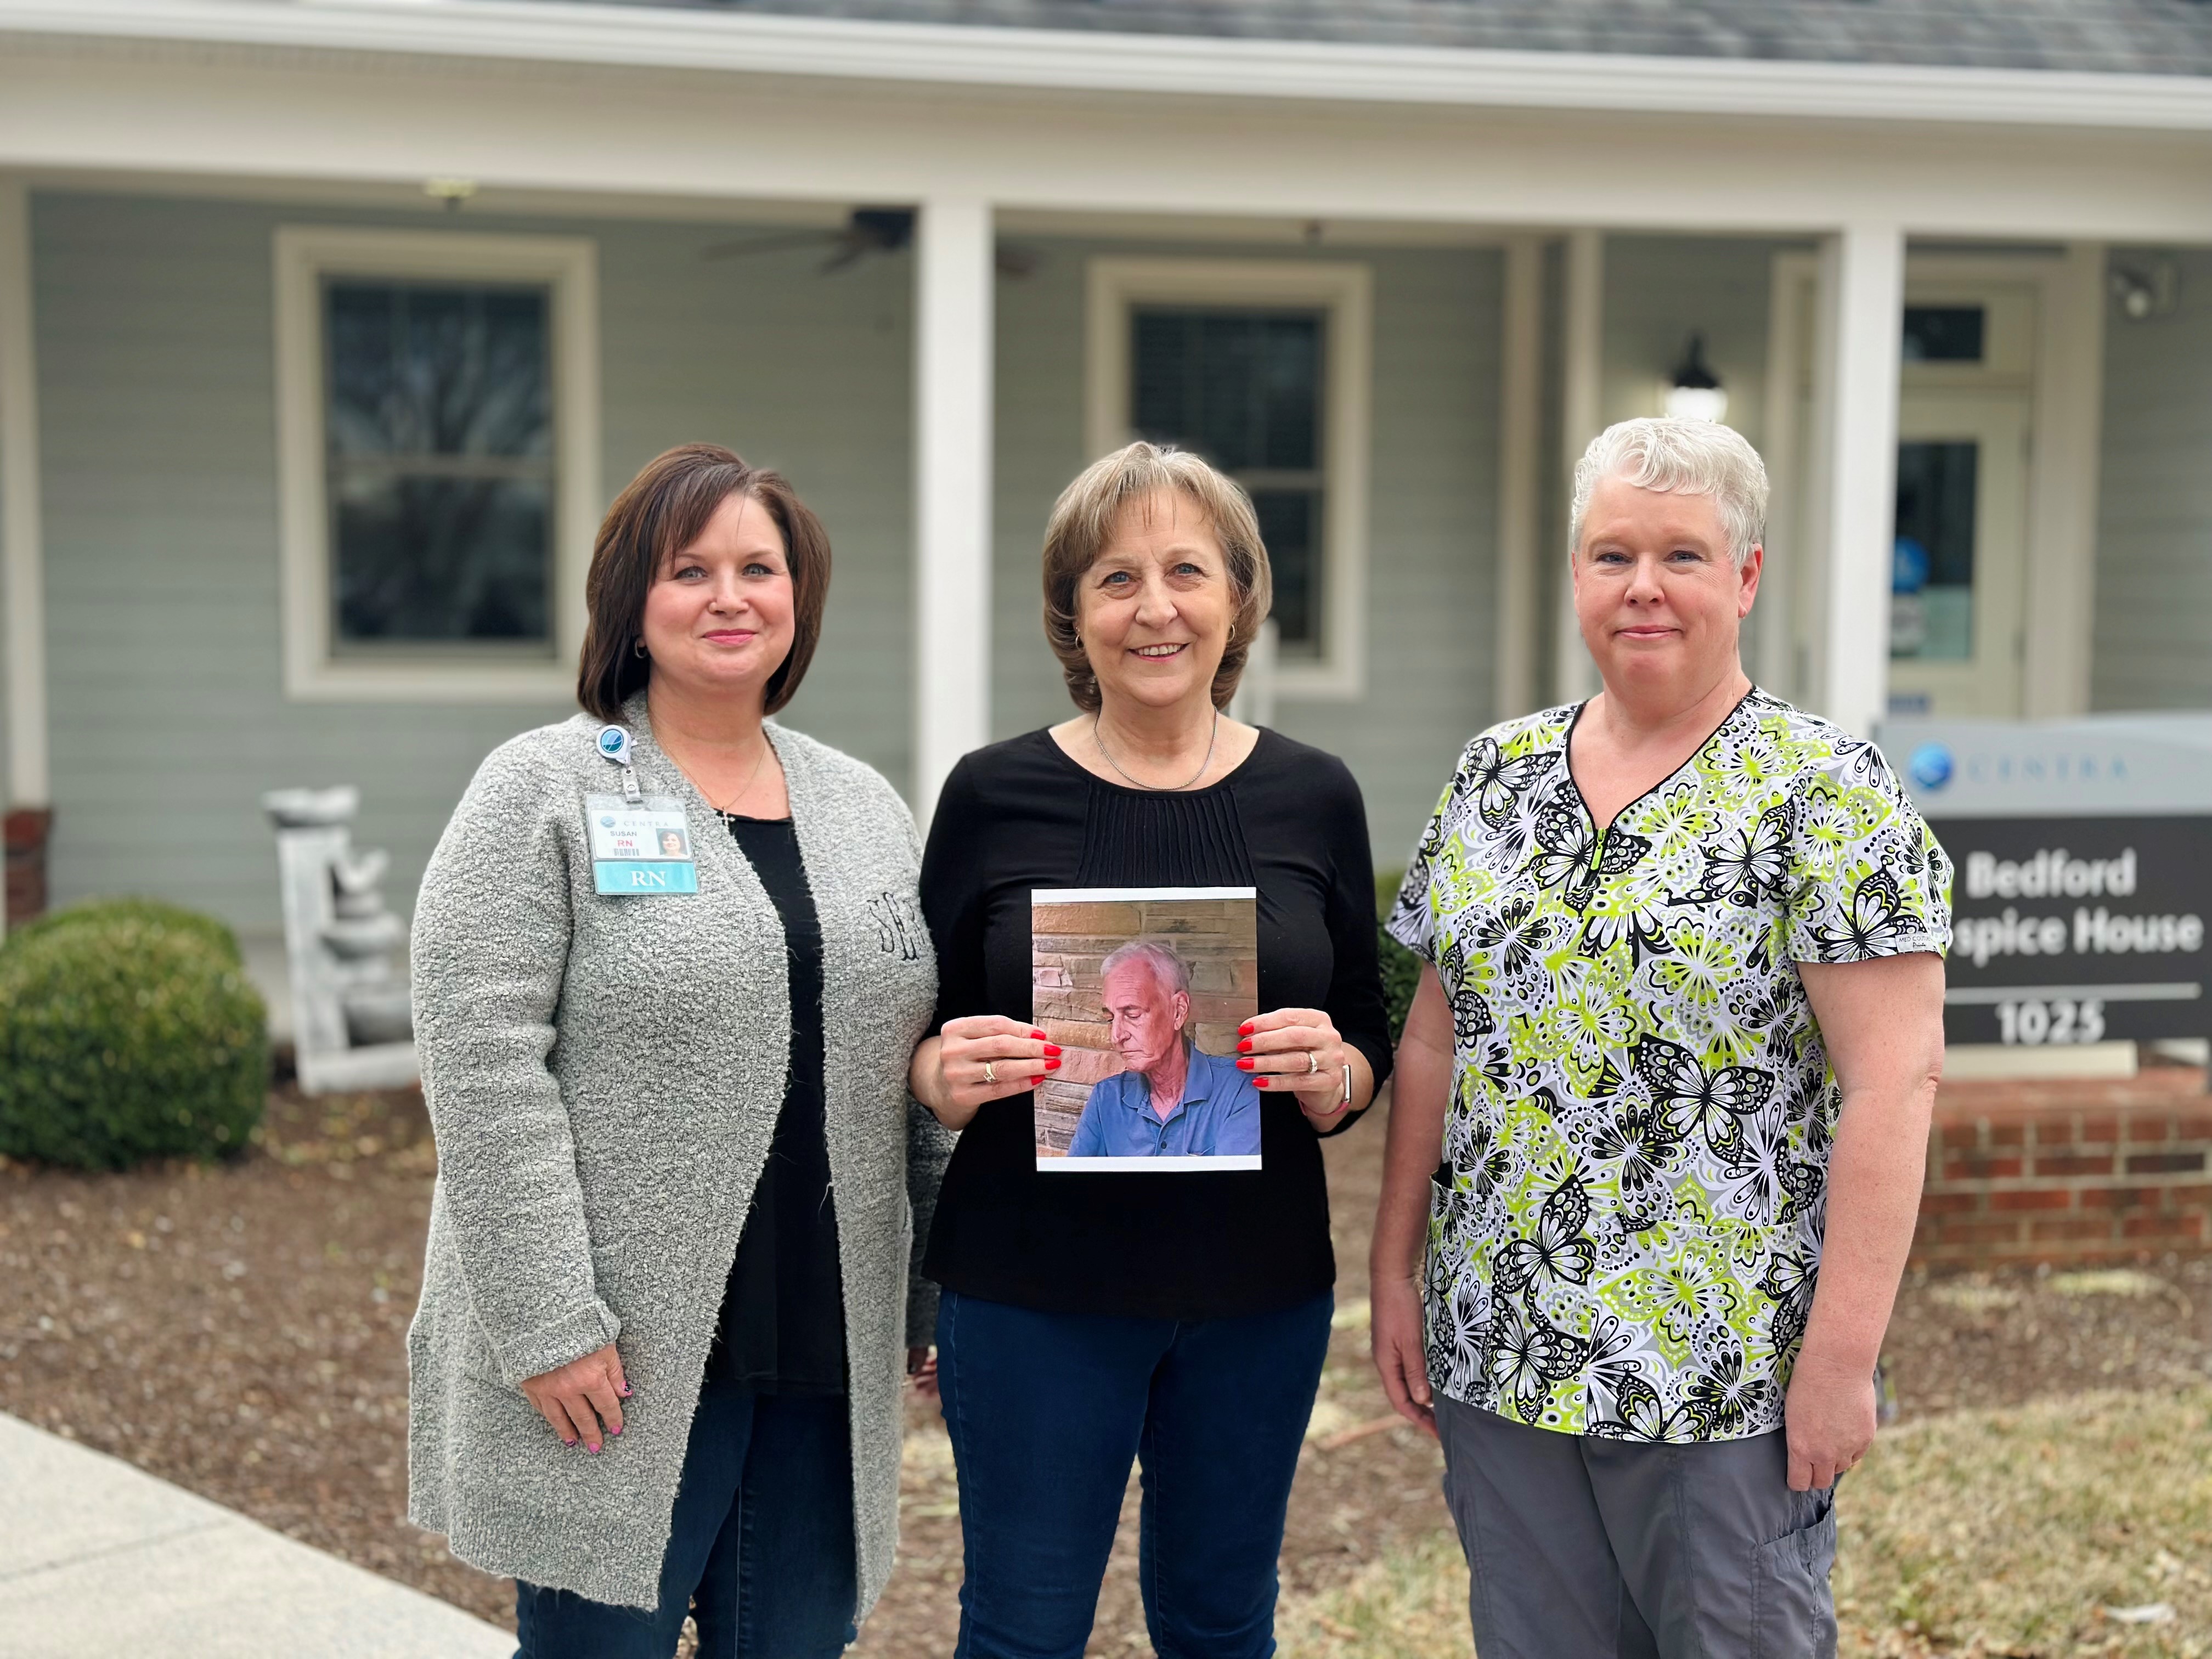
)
(2061, 1528)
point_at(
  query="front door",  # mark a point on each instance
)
(1958, 580)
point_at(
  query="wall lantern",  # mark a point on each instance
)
(1694, 392)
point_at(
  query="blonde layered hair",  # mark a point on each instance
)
(1084, 521)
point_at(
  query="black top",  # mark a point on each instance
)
(1023, 814)
(782, 1328)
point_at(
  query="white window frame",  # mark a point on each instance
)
(569, 266)
(1344, 291)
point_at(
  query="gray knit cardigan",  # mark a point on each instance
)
(604, 1076)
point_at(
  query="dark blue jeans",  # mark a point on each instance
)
(760, 1552)
(1047, 1412)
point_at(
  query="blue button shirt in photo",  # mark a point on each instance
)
(1218, 1116)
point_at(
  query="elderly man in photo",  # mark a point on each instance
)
(1172, 1102)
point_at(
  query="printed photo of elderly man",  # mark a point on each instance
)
(1171, 1100)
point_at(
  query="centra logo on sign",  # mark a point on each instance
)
(2048, 874)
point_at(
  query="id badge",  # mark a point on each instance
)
(643, 850)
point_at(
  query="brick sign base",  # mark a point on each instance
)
(2068, 1172)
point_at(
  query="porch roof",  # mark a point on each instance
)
(2140, 37)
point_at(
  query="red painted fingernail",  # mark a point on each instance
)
(1245, 1030)
(1036, 1037)
(1052, 1065)
(1246, 1065)
(1244, 1048)
(1038, 1079)
(1052, 1051)
(1259, 1083)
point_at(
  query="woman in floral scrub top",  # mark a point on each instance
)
(1679, 1024)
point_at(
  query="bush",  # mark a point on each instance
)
(153, 912)
(128, 1031)
(1401, 969)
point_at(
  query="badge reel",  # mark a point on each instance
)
(641, 843)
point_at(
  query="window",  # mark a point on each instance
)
(1262, 369)
(436, 436)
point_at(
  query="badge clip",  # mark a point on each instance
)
(613, 742)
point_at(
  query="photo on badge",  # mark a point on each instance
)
(1143, 989)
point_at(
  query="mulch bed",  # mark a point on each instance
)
(238, 1329)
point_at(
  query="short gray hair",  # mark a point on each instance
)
(1170, 971)
(1679, 457)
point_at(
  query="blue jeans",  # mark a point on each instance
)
(760, 1551)
(1047, 1410)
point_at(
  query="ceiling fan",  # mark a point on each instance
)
(865, 231)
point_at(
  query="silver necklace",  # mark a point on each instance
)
(1099, 738)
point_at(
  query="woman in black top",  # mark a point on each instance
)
(1182, 1318)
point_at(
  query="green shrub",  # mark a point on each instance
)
(128, 1035)
(156, 912)
(1401, 969)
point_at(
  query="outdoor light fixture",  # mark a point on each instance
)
(1694, 392)
(2143, 292)
(452, 191)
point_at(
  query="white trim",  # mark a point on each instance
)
(1195, 65)
(1863, 297)
(1346, 291)
(569, 265)
(2066, 474)
(1785, 576)
(1581, 394)
(954, 280)
(1166, 1164)
(22, 554)
(1520, 408)
(2064, 368)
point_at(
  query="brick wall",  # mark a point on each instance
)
(2069, 1171)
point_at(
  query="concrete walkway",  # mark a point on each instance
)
(97, 1559)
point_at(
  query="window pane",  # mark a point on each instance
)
(1290, 524)
(422, 559)
(1242, 388)
(1931, 603)
(1943, 334)
(419, 368)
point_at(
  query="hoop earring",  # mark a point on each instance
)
(637, 648)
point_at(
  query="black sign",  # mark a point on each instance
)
(2078, 930)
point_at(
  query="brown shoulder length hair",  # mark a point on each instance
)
(664, 509)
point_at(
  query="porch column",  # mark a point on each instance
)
(1519, 403)
(954, 264)
(22, 570)
(1582, 418)
(1862, 342)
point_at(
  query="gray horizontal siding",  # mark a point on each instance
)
(2154, 604)
(157, 385)
(1432, 543)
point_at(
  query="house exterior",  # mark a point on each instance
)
(327, 330)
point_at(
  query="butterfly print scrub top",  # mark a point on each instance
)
(1624, 1236)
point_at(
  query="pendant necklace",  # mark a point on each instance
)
(1099, 738)
(724, 813)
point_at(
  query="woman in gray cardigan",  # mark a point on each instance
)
(668, 964)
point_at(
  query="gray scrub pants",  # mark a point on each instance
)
(1584, 1548)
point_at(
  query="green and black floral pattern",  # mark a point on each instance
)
(1638, 1145)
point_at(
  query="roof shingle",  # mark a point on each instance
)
(2164, 37)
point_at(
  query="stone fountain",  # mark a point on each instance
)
(352, 1024)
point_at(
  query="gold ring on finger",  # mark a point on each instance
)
(990, 1073)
